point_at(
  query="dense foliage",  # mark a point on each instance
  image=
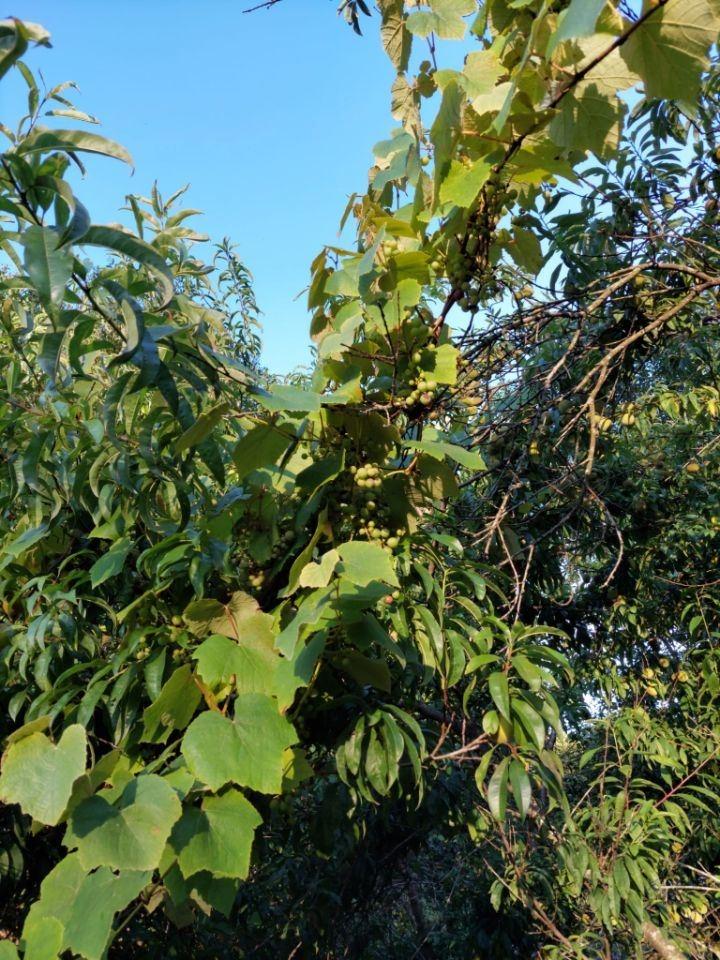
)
(416, 656)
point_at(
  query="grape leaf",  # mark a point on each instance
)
(218, 837)
(127, 833)
(247, 750)
(39, 775)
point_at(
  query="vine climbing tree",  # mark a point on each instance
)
(439, 618)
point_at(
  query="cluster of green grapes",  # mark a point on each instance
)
(476, 290)
(469, 379)
(423, 389)
(460, 261)
(367, 477)
(247, 568)
(419, 388)
(283, 542)
(498, 196)
(361, 510)
(466, 258)
(474, 281)
(416, 328)
(256, 575)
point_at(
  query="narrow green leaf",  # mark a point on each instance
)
(174, 707)
(482, 769)
(497, 790)
(110, 564)
(531, 722)
(441, 449)
(528, 671)
(48, 265)
(202, 428)
(71, 141)
(15, 36)
(521, 787)
(135, 249)
(500, 693)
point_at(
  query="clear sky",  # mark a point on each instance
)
(270, 116)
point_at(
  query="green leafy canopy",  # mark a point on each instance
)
(443, 606)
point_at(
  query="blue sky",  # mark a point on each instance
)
(270, 117)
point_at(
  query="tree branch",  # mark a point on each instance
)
(655, 938)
